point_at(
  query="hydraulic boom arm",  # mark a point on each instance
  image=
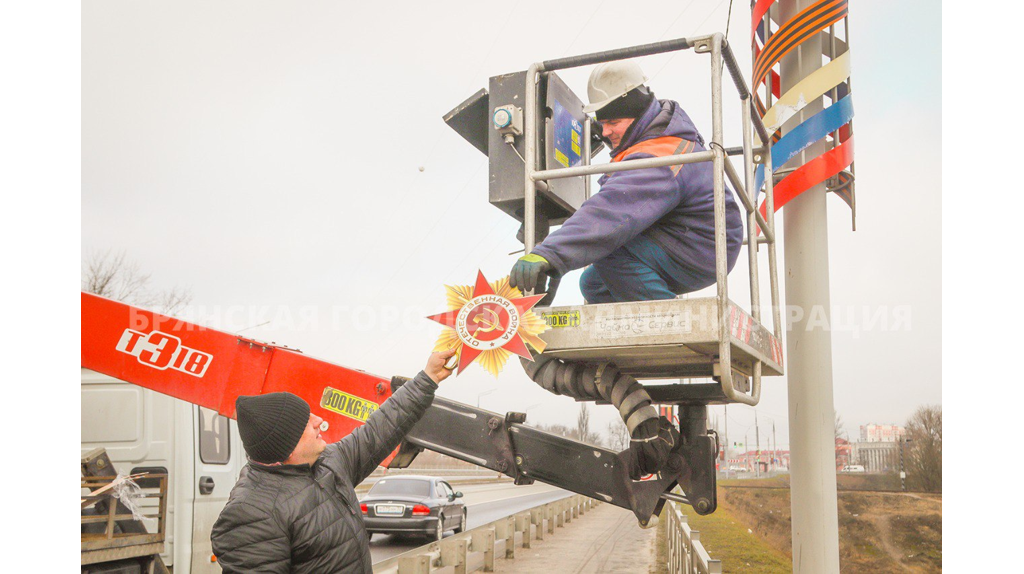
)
(212, 368)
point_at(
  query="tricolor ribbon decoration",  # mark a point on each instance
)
(834, 123)
(488, 322)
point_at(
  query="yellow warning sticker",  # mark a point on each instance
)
(348, 405)
(561, 158)
(562, 319)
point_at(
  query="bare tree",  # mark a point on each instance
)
(583, 423)
(558, 429)
(618, 435)
(173, 300)
(842, 444)
(923, 451)
(114, 276)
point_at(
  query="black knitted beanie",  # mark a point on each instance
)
(632, 104)
(271, 425)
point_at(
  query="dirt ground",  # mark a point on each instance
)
(878, 532)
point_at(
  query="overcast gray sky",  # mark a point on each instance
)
(267, 155)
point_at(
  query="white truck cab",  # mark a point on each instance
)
(200, 451)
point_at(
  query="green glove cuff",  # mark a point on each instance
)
(532, 258)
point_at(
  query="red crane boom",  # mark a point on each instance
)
(212, 368)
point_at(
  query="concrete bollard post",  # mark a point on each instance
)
(483, 541)
(453, 553)
(576, 507)
(570, 504)
(523, 525)
(549, 513)
(672, 567)
(537, 518)
(500, 529)
(507, 530)
(414, 565)
(560, 514)
(673, 544)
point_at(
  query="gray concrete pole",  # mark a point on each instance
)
(726, 441)
(757, 440)
(809, 344)
(903, 471)
(775, 447)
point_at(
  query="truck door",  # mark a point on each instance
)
(216, 471)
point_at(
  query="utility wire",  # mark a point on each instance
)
(433, 147)
(680, 15)
(728, 20)
(587, 23)
(493, 44)
(697, 27)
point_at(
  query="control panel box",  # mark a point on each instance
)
(560, 120)
(492, 120)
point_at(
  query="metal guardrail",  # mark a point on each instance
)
(475, 550)
(685, 551)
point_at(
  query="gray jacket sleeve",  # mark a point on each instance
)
(249, 538)
(360, 452)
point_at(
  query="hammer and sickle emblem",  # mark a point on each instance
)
(490, 321)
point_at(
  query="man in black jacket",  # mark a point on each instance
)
(294, 508)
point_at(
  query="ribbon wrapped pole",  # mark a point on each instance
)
(833, 124)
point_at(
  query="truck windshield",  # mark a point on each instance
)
(393, 486)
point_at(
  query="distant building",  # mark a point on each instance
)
(878, 448)
(769, 460)
(877, 456)
(843, 452)
(881, 433)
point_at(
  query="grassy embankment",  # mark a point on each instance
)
(727, 538)
(878, 531)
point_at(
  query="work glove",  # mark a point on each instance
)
(530, 273)
(650, 455)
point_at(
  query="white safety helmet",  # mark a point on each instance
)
(611, 81)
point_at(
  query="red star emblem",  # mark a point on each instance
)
(488, 321)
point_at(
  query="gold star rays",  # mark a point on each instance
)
(488, 322)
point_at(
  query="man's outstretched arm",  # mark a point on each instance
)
(361, 451)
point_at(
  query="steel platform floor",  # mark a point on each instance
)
(674, 338)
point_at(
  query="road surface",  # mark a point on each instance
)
(485, 503)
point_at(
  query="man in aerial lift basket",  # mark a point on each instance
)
(649, 233)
